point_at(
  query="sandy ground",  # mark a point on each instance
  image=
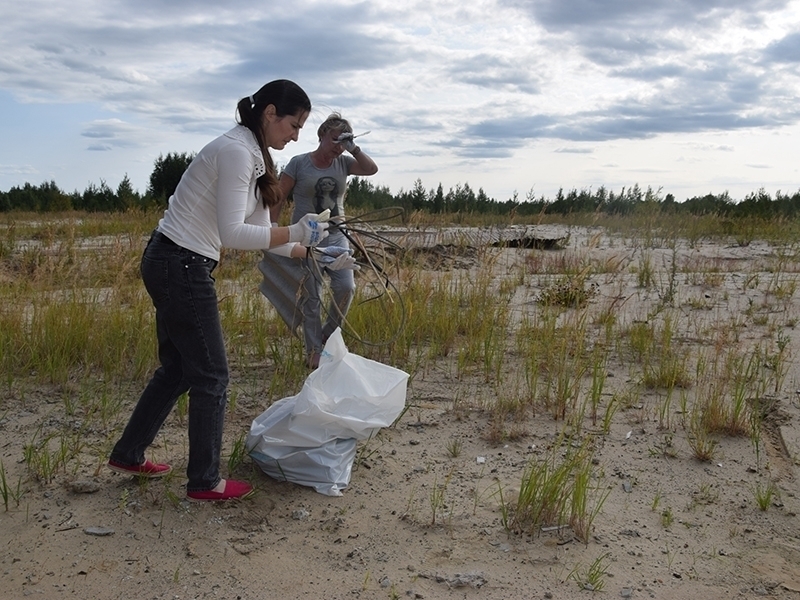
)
(381, 540)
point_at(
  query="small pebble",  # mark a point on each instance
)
(243, 549)
(84, 486)
(98, 531)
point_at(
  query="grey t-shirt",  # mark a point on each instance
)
(317, 189)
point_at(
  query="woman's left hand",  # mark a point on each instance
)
(333, 251)
(336, 258)
(344, 262)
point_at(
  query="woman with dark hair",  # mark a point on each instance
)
(222, 200)
(318, 182)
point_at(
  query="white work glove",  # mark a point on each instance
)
(336, 258)
(347, 142)
(308, 231)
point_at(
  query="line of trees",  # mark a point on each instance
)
(48, 197)
(462, 199)
(363, 194)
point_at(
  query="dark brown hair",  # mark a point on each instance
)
(288, 98)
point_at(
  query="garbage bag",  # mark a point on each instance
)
(282, 286)
(311, 438)
(327, 468)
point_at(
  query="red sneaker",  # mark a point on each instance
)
(146, 469)
(234, 490)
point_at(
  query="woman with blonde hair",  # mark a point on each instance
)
(317, 182)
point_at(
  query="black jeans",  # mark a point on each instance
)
(192, 353)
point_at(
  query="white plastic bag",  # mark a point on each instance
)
(327, 468)
(311, 438)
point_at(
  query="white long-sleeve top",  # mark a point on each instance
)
(216, 203)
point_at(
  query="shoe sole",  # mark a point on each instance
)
(138, 473)
(201, 500)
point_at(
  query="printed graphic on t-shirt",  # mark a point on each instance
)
(326, 194)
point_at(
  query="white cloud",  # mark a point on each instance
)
(491, 92)
(114, 133)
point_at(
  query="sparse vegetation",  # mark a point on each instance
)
(552, 358)
(592, 578)
(764, 494)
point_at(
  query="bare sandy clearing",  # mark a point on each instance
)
(672, 527)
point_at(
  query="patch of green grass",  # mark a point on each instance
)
(558, 492)
(592, 578)
(454, 447)
(765, 494)
(8, 492)
(569, 292)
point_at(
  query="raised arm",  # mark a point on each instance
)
(364, 164)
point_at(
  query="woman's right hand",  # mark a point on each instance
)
(308, 231)
(347, 142)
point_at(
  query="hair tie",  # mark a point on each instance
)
(252, 101)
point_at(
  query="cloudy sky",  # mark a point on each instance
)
(525, 96)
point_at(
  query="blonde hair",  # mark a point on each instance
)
(334, 122)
